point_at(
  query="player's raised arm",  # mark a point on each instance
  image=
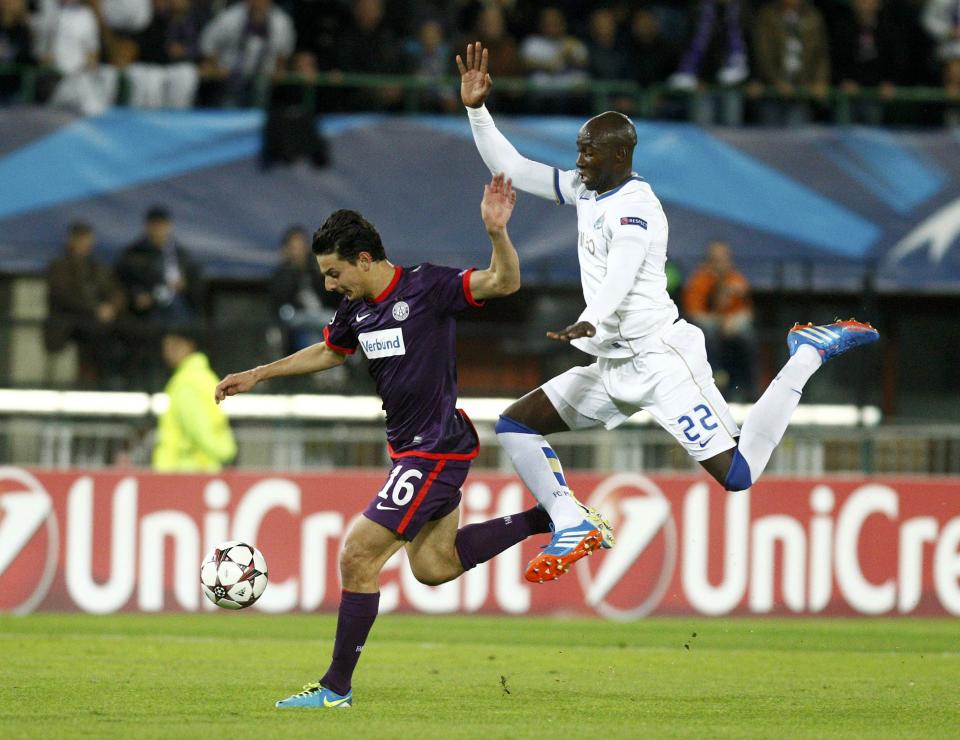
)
(310, 359)
(498, 153)
(503, 276)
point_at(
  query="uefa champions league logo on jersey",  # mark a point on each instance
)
(401, 310)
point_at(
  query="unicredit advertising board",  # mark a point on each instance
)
(103, 542)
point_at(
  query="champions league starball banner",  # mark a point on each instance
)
(816, 207)
(103, 542)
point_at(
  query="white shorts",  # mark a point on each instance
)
(669, 378)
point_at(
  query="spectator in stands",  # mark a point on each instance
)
(300, 304)
(941, 18)
(652, 56)
(74, 51)
(245, 45)
(193, 434)
(16, 44)
(84, 302)
(319, 24)
(867, 53)
(717, 299)
(556, 61)
(429, 58)
(719, 46)
(608, 56)
(792, 58)
(368, 45)
(165, 74)
(161, 280)
(491, 30)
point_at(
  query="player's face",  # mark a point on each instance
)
(594, 161)
(343, 277)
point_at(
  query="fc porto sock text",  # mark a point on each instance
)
(540, 469)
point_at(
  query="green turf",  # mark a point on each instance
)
(217, 675)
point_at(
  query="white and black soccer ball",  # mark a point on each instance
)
(234, 575)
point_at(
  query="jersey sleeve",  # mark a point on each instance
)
(566, 186)
(449, 288)
(338, 334)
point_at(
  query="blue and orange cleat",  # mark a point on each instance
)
(566, 547)
(833, 339)
(315, 696)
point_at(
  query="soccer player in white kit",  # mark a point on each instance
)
(647, 357)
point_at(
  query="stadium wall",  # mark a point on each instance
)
(108, 542)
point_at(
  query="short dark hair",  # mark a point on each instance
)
(157, 213)
(79, 228)
(189, 330)
(348, 234)
(290, 232)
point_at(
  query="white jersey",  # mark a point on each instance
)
(622, 244)
(630, 212)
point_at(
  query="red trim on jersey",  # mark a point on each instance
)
(420, 496)
(331, 345)
(397, 272)
(441, 455)
(466, 291)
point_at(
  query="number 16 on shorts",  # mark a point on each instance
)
(418, 490)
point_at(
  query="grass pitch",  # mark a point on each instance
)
(217, 675)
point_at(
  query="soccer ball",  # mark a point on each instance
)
(234, 575)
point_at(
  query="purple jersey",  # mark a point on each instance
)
(408, 334)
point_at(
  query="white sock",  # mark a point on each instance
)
(539, 468)
(769, 417)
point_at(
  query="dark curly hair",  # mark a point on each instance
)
(347, 234)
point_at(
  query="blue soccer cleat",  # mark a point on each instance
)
(566, 547)
(315, 696)
(833, 339)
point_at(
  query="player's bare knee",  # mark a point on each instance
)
(355, 564)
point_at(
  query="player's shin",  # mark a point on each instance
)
(540, 469)
(478, 543)
(356, 617)
(768, 419)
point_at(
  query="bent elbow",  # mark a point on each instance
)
(508, 287)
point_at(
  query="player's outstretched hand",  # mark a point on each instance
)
(235, 383)
(574, 331)
(475, 83)
(496, 207)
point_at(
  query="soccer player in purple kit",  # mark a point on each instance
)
(404, 321)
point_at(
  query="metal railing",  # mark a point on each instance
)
(601, 93)
(62, 443)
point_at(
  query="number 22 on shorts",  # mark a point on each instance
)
(704, 420)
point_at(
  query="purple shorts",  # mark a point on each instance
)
(417, 491)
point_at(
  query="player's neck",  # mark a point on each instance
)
(615, 183)
(381, 275)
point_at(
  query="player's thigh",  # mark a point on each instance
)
(582, 401)
(434, 547)
(367, 548)
(417, 491)
(684, 400)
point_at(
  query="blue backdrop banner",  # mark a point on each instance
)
(820, 207)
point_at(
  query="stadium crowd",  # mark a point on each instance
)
(180, 53)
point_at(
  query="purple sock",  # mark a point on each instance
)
(477, 543)
(357, 614)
